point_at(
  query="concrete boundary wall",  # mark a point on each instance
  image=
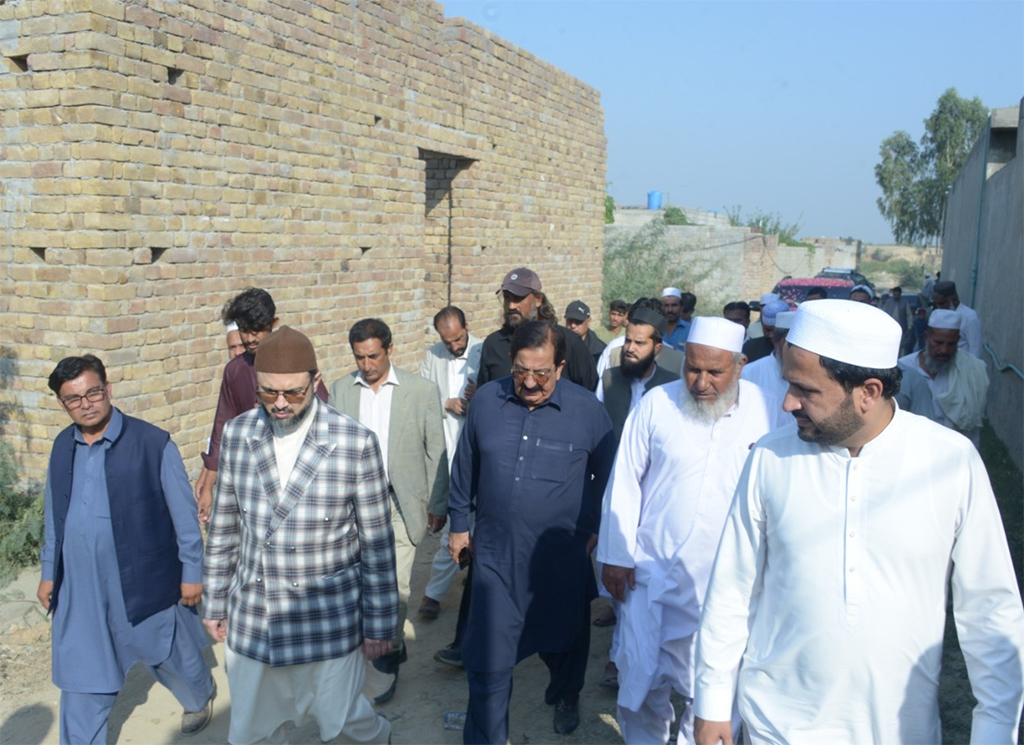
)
(983, 252)
(354, 158)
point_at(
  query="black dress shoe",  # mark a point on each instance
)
(567, 716)
(450, 655)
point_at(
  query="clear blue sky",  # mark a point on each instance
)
(773, 106)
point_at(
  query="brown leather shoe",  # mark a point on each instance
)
(429, 609)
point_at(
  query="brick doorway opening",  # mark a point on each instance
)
(441, 210)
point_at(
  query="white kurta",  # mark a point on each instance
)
(605, 360)
(830, 587)
(766, 373)
(663, 512)
(970, 330)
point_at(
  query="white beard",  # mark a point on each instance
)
(711, 412)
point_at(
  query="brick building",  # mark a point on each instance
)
(354, 158)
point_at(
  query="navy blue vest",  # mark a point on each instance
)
(144, 537)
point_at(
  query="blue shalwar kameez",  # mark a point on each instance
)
(94, 645)
(536, 478)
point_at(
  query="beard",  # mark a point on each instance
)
(710, 412)
(935, 366)
(636, 370)
(834, 429)
(513, 318)
(285, 427)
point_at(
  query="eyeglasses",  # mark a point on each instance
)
(541, 376)
(292, 396)
(93, 396)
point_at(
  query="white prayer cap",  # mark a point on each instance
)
(768, 297)
(855, 333)
(720, 333)
(784, 320)
(944, 319)
(231, 327)
(771, 310)
(672, 292)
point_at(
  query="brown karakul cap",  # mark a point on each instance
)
(285, 351)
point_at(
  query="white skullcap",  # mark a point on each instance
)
(855, 333)
(771, 310)
(784, 320)
(673, 292)
(944, 319)
(768, 297)
(863, 288)
(231, 327)
(720, 333)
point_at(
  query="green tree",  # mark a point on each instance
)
(609, 209)
(914, 178)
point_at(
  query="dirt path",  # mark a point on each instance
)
(147, 714)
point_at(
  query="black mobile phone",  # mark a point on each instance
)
(463, 558)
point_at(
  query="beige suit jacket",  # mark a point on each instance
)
(417, 458)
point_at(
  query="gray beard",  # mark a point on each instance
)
(289, 426)
(711, 412)
(935, 367)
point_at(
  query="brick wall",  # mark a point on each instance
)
(353, 158)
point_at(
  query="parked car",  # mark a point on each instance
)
(853, 275)
(794, 291)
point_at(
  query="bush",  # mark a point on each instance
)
(609, 209)
(675, 216)
(21, 518)
(640, 263)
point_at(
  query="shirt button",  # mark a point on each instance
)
(851, 534)
(259, 579)
(327, 519)
(525, 437)
(295, 584)
(852, 570)
(520, 457)
(517, 478)
(267, 544)
(853, 499)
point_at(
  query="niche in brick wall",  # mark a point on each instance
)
(441, 204)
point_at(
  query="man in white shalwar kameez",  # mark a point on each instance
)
(680, 456)
(827, 603)
(766, 372)
(943, 384)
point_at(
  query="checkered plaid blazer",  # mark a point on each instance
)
(304, 575)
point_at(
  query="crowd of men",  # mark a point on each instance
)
(776, 518)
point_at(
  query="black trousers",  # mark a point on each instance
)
(490, 692)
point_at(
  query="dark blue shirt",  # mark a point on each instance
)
(536, 479)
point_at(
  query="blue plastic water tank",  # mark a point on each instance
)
(654, 200)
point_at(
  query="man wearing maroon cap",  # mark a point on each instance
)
(299, 574)
(522, 300)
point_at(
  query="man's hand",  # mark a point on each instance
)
(591, 544)
(204, 494)
(457, 542)
(218, 630)
(44, 591)
(436, 522)
(711, 733)
(191, 594)
(470, 390)
(455, 406)
(615, 580)
(374, 648)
